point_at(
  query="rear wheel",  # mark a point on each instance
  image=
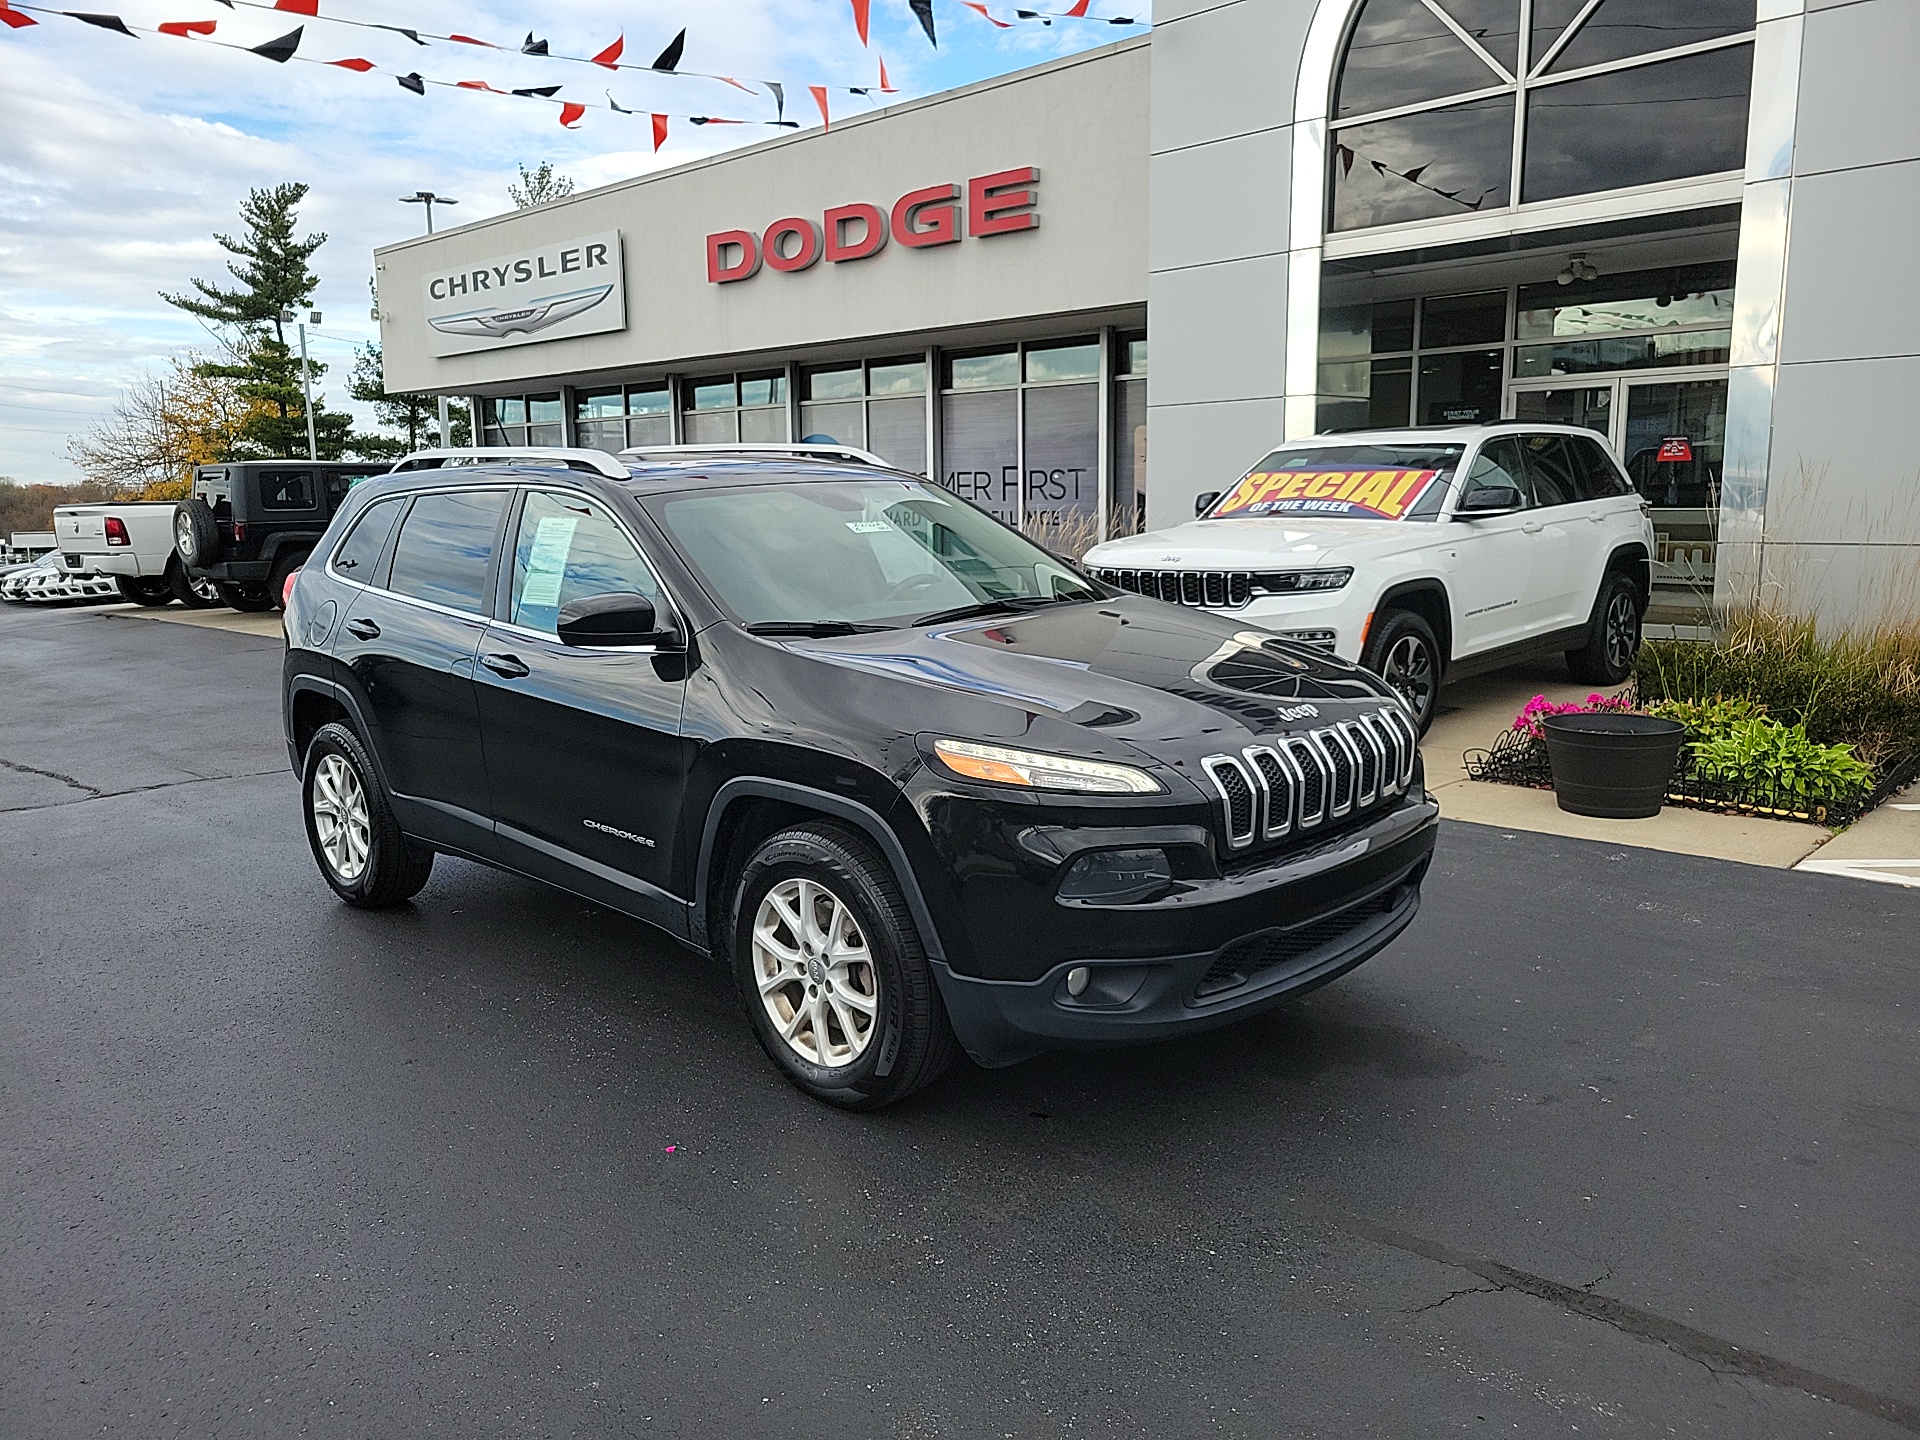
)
(831, 971)
(1613, 634)
(243, 597)
(192, 593)
(277, 581)
(144, 590)
(351, 827)
(1403, 652)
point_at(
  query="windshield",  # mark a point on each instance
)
(875, 552)
(1352, 482)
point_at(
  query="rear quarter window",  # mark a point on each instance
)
(360, 551)
(286, 490)
(1600, 478)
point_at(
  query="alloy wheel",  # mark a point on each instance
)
(815, 973)
(340, 817)
(207, 590)
(1408, 668)
(1620, 634)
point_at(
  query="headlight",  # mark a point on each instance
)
(1001, 766)
(1288, 582)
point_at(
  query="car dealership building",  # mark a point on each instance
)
(1687, 226)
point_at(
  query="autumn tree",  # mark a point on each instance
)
(417, 414)
(538, 186)
(165, 424)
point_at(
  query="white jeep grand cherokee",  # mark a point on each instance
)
(1421, 554)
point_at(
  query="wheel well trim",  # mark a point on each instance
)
(1632, 559)
(1427, 585)
(343, 697)
(749, 787)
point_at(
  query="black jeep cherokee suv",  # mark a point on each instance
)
(916, 781)
(251, 523)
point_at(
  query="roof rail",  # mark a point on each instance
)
(565, 457)
(842, 453)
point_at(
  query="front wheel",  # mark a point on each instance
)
(351, 827)
(1403, 652)
(1613, 635)
(144, 590)
(832, 973)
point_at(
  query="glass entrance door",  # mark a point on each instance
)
(1588, 405)
(1672, 437)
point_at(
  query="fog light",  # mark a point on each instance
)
(1118, 877)
(1077, 979)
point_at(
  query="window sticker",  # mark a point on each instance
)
(1354, 494)
(869, 527)
(547, 563)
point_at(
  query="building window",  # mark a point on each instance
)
(749, 408)
(1129, 513)
(619, 416)
(523, 420)
(878, 405)
(1436, 97)
(1020, 436)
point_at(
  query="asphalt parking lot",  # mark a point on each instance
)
(1613, 1142)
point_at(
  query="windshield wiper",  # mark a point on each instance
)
(811, 627)
(1009, 605)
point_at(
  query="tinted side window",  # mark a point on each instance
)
(1553, 469)
(1600, 479)
(567, 550)
(361, 549)
(286, 489)
(1498, 463)
(446, 548)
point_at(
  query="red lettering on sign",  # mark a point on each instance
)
(992, 199)
(931, 208)
(803, 255)
(872, 238)
(719, 272)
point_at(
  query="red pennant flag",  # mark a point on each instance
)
(356, 63)
(820, 99)
(973, 5)
(885, 88)
(13, 18)
(478, 85)
(1078, 10)
(571, 112)
(736, 84)
(659, 132)
(470, 40)
(298, 7)
(610, 57)
(184, 28)
(860, 18)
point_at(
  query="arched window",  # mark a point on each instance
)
(1437, 101)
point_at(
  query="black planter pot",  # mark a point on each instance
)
(1615, 766)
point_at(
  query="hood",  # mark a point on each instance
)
(1260, 543)
(1166, 682)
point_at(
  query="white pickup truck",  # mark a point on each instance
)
(133, 543)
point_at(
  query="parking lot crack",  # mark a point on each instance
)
(20, 769)
(93, 794)
(1456, 1294)
(1718, 1356)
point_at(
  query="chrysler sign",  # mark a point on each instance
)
(571, 287)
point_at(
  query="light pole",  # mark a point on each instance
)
(306, 383)
(429, 199)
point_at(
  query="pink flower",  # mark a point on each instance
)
(1527, 722)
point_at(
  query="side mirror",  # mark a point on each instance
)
(620, 617)
(1490, 500)
(1203, 502)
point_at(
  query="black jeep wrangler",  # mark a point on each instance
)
(250, 524)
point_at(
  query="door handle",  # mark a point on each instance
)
(1533, 527)
(507, 667)
(364, 629)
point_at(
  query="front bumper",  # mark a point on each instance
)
(1251, 939)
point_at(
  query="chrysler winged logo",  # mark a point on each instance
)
(525, 319)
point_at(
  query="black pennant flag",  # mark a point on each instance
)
(779, 99)
(280, 51)
(412, 82)
(924, 9)
(618, 108)
(413, 35)
(544, 92)
(105, 22)
(533, 46)
(670, 57)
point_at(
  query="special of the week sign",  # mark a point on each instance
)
(571, 287)
(1359, 494)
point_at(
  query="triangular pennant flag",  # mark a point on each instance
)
(478, 85)
(14, 18)
(105, 22)
(185, 28)
(860, 19)
(820, 99)
(280, 51)
(711, 120)
(659, 132)
(412, 82)
(924, 10)
(356, 63)
(542, 92)
(532, 46)
(1122, 20)
(1346, 159)
(1414, 174)
(885, 88)
(1378, 168)
(779, 100)
(413, 35)
(571, 112)
(976, 5)
(472, 40)
(1448, 194)
(859, 90)
(735, 83)
(298, 7)
(1078, 10)
(670, 57)
(610, 57)
(615, 106)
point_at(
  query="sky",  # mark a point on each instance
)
(124, 156)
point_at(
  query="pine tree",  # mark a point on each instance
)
(417, 414)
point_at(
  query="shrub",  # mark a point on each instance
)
(1759, 751)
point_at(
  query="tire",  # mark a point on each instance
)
(196, 535)
(248, 598)
(1613, 634)
(145, 590)
(192, 593)
(356, 840)
(1402, 651)
(277, 581)
(834, 874)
